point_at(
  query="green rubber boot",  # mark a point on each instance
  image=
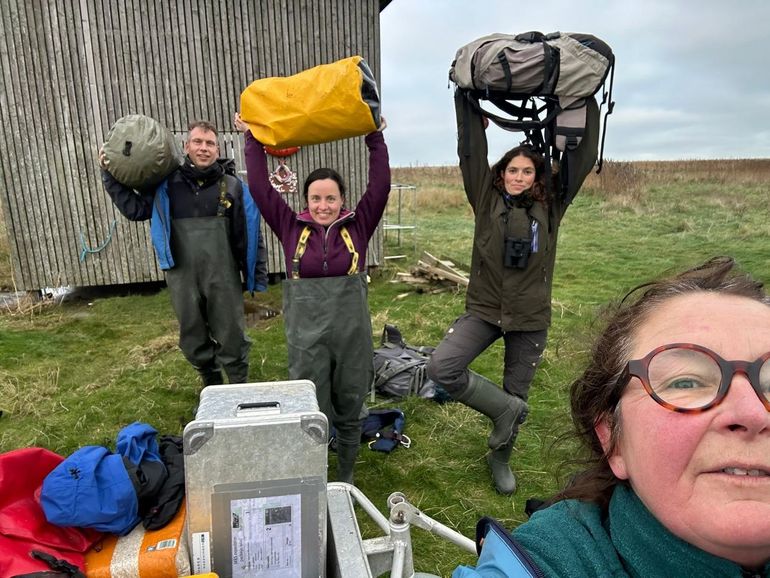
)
(499, 464)
(506, 411)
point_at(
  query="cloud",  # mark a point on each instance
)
(690, 80)
(636, 118)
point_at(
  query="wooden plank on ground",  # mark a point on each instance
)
(443, 269)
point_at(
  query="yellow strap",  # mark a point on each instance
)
(354, 254)
(302, 245)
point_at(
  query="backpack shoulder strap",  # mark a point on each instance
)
(424, 350)
(394, 369)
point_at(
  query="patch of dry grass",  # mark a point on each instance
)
(747, 172)
(621, 182)
(145, 354)
(26, 305)
(438, 188)
(31, 396)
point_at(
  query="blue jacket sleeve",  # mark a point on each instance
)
(256, 251)
(160, 227)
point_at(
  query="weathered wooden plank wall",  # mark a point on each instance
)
(70, 69)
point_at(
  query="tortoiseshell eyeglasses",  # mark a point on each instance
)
(690, 378)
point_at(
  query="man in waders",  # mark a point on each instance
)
(205, 230)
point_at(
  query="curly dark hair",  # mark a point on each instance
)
(594, 396)
(539, 191)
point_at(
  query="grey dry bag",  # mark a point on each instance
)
(141, 152)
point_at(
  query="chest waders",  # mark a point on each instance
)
(329, 338)
(207, 297)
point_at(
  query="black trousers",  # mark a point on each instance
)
(468, 337)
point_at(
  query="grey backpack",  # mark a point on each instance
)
(141, 152)
(545, 84)
(399, 369)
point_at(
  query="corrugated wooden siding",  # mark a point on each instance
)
(70, 69)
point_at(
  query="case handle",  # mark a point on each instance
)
(258, 407)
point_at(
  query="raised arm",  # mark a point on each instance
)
(273, 208)
(472, 149)
(133, 205)
(371, 206)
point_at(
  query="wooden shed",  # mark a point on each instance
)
(70, 69)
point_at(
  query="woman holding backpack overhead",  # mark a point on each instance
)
(514, 247)
(328, 326)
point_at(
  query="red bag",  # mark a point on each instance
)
(23, 525)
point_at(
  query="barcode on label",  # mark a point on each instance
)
(165, 544)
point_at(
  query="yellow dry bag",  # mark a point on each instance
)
(321, 104)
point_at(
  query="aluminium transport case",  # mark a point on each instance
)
(255, 475)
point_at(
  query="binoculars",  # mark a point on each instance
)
(516, 255)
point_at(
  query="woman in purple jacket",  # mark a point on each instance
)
(327, 321)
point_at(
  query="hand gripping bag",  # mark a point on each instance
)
(545, 84)
(141, 152)
(321, 104)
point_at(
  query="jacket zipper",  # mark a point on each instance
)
(524, 558)
(326, 239)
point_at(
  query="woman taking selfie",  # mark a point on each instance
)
(674, 411)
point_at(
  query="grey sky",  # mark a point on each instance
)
(692, 77)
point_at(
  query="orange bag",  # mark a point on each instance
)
(159, 553)
(321, 104)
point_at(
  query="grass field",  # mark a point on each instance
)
(74, 374)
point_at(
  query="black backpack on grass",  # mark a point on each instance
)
(399, 369)
(545, 84)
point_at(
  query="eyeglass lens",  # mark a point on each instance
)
(689, 378)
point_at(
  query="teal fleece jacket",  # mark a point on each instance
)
(572, 538)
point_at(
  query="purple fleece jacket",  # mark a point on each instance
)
(326, 254)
